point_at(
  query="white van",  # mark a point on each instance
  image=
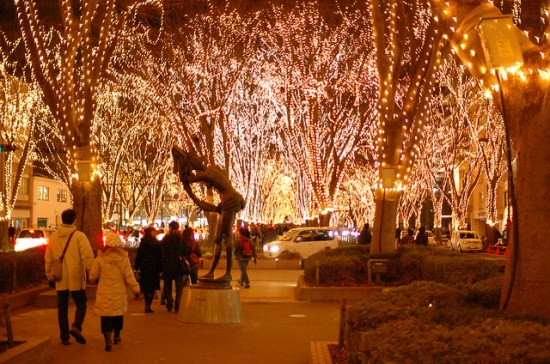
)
(306, 241)
(466, 240)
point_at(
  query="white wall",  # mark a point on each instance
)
(49, 210)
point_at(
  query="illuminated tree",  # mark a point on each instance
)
(489, 139)
(525, 108)
(432, 164)
(355, 198)
(412, 200)
(68, 62)
(278, 193)
(452, 154)
(255, 142)
(409, 48)
(22, 112)
(321, 73)
(196, 79)
(134, 161)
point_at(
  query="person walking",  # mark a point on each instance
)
(244, 252)
(113, 271)
(149, 265)
(365, 236)
(421, 238)
(408, 239)
(173, 251)
(191, 246)
(11, 236)
(77, 261)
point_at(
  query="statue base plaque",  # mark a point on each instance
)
(207, 303)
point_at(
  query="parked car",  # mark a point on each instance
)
(466, 240)
(31, 238)
(306, 241)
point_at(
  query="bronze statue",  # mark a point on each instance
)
(191, 169)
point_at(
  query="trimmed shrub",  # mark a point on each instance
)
(428, 322)
(20, 270)
(347, 266)
(341, 267)
(486, 293)
(486, 341)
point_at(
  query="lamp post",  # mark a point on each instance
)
(502, 50)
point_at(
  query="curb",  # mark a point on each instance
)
(307, 293)
(26, 298)
(29, 351)
(319, 353)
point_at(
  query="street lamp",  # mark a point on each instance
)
(502, 50)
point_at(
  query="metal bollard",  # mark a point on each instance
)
(341, 332)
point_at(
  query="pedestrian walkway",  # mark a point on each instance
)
(275, 329)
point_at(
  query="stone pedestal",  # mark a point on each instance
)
(201, 304)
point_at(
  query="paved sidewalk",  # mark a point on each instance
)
(276, 329)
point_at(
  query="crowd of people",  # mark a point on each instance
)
(167, 259)
(117, 281)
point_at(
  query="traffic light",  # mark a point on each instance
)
(6, 148)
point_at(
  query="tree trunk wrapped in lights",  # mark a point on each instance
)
(409, 49)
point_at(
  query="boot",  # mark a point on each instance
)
(108, 341)
(117, 339)
(148, 300)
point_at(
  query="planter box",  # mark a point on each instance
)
(29, 351)
(306, 293)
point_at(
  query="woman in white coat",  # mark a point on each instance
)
(113, 270)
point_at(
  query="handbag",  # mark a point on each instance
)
(183, 265)
(56, 269)
(193, 257)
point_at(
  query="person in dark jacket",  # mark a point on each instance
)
(421, 238)
(407, 239)
(173, 249)
(365, 236)
(149, 265)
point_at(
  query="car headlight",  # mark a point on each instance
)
(274, 249)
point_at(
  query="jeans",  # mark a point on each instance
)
(243, 263)
(79, 298)
(167, 289)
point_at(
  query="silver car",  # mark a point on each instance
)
(306, 241)
(466, 240)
